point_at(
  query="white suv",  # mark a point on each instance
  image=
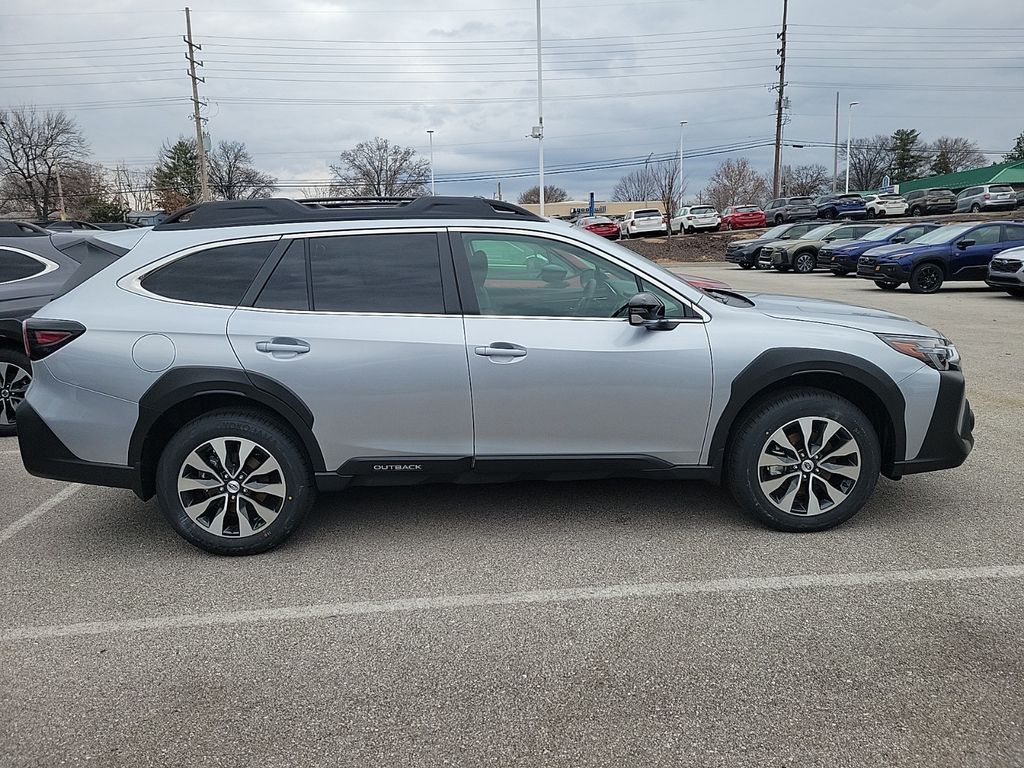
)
(694, 217)
(887, 204)
(645, 221)
(244, 355)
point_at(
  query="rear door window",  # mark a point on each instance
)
(18, 266)
(1013, 233)
(392, 273)
(987, 235)
(219, 275)
(287, 287)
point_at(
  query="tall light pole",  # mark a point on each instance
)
(849, 127)
(430, 135)
(681, 124)
(538, 132)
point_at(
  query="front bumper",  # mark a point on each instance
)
(950, 436)
(1005, 279)
(885, 272)
(742, 257)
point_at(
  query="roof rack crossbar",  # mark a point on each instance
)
(233, 213)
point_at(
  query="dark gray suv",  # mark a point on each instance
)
(784, 209)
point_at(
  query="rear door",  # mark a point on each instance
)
(971, 263)
(558, 375)
(365, 329)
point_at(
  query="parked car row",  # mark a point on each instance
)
(922, 255)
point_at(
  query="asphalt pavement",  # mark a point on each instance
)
(540, 624)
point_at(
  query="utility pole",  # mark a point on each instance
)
(499, 191)
(778, 109)
(835, 150)
(60, 192)
(204, 180)
(538, 132)
(849, 129)
(430, 135)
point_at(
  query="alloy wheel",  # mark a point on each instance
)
(231, 487)
(809, 466)
(804, 263)
(929, 278)
(14, 380)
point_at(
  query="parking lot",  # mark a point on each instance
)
(561, 624)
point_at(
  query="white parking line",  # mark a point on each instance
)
(534, 597)
(38, 512)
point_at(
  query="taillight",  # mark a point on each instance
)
(44, 337)
(986, 195)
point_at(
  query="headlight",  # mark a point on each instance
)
(937, 353)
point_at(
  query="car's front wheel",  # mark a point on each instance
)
(15, 376)
(234, 483)
(887, 285)
(1018, 292)
(926, 278)
(803, 460)
(804, 263)
(746, 265)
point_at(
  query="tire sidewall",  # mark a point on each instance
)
(915, 278)
(762, 421)
(297, 473)
(19, 359)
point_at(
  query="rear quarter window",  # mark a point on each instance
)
(219, 275)
(18, 266)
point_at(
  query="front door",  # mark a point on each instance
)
(557, 372)
(356, 326)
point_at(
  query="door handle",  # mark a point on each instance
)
(283, 346)
(500, 349)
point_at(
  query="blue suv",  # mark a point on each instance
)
(847, 206)
(952, 252)
(841, 258)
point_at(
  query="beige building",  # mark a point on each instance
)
(572, 208)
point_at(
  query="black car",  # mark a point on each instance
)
(931, 200)
(784, 209)
(842, 258)
(66, 225)
(35, 265)
(745, 252)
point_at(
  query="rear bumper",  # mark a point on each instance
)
(950, 436)
(45, 455)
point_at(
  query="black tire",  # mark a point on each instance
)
(926, 278)
(1018, 292)
(887, 285)
(15, 376)
(752, 434)
(267, 433)
(871, 213)
(975, 208)
(830, 214)
(916, 211)
(745, 265)
(783, 268)
(728, 226)
(840, 272)
(803, 263)
(779, 219)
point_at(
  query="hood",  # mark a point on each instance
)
(836, 313)
(899, 250)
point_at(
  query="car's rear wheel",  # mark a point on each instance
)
(840, 272)
(871, 213)
(779, 219)
(745, 265)
(1018, 292)
(926, 278)
(728, 226)
(234, 483)
(916, 211)
(15, 376)
(975, 208)
(803, 460)
(887, 285)
(804, 263)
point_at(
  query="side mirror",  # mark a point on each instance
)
(828, 239)
(648, 311)
(899, 239)
(552, 274)
(965, 244)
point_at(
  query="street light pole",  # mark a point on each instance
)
(430, 135)
(681, 124)
(540, 113)
(849, 127)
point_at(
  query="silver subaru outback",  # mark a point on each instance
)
(243, 356)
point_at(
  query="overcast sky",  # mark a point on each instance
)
(301, 80)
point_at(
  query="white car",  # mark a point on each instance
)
(889, 204)
(644, 221)
(694, 217)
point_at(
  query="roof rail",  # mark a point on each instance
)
(236, 213)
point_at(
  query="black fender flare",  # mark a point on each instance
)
(181, 384)
(10, 330)
(775, 366)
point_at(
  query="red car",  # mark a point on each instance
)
(742, 217)
(599, 225)
(704, 283)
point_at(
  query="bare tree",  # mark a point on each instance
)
(805, 179)
(735, 182)
(34, 147)
(952, 154)
(870, 160)
(317, 192)
(636, 185)
(233, 175)
(552, 194)
(378, 168)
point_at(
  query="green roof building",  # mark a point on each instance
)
(1001, 173)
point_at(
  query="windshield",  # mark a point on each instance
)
(819, 232)
(776, 232)
(943, 234)
(883, 233)
(747, 209)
